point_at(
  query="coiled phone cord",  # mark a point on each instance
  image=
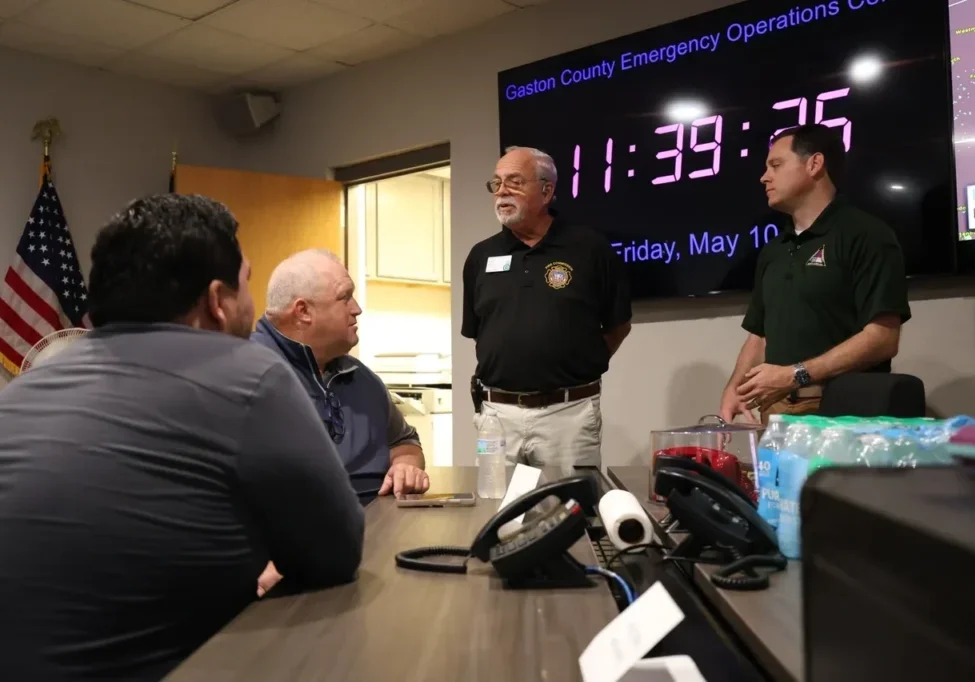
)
(722, 577)
(414, 559)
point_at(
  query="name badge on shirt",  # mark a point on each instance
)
(498, 264)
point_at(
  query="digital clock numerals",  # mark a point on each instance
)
(803, 105)
(677, 153)
(714, 145)
(716, 122)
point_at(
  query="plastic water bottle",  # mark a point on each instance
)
(836, 445)
(491, 460)
(768, 469)
(800, 443)
(873, 450)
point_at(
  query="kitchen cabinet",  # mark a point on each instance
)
(407, 230)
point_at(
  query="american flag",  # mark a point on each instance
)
(44, 289)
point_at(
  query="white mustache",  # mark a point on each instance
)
(499, 204)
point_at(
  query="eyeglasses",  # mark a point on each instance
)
(334, 419)
(514, 182)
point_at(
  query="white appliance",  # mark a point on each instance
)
(420, 384)
(413, 369)
(428, 410)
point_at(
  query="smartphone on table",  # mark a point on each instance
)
(437, 500)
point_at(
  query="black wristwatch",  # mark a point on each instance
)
(801, 375)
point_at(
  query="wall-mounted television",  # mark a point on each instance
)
(660, 137)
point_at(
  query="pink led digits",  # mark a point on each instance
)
(714, 145)
(835, 122)
(575, 176)
(676, 153)
(800, 102)
(607, 180)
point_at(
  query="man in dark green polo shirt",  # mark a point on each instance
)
(830, 293)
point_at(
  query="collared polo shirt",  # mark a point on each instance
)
(816, 289)
(370, 424)
(538, 314)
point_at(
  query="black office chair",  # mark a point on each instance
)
(874, 394)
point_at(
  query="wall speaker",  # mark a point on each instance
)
(243, 114)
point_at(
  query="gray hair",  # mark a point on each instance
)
(298, 276)
(544, 164)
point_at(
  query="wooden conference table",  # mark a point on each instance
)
(404, 625)
(768, 622)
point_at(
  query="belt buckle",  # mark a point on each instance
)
(520, 402)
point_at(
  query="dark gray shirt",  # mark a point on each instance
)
(147, 475)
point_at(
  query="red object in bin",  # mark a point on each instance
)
(723, 462)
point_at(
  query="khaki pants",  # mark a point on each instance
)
(563, 435)
(799, 407)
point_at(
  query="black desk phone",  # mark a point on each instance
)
(719, 518)
(536, 555)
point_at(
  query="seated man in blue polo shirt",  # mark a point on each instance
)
(311, 321)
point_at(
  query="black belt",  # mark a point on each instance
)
(805, 392)
(542, 398)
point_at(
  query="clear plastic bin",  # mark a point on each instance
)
(731, 449)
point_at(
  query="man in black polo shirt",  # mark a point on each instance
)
(830, 293)
(547, 304)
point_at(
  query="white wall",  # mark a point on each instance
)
(673, 366)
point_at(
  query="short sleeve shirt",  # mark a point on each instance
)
(538, 314)
(815, 290)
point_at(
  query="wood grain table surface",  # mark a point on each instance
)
(769, 622)
(395, 624)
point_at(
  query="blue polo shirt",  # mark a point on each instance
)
(362, 398)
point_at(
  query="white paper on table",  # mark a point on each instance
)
(523, 480)
(630, 636)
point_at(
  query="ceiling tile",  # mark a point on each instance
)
(106, 22)
(377, 10)
(207, 48)
(291, 71)
(165, 71)
(43, 41)
(293, 24)
(9, 8)
(439, 17)
(370, 43)
(189, 9)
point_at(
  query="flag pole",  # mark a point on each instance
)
(47, 130)
(172, 168)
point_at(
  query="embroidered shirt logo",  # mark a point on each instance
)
(818, 259)
(558, 275)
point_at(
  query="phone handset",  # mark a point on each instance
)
(677, 462)
(716, 516)
(579, 488)
(536, 556)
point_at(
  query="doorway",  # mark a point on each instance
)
(398, 240)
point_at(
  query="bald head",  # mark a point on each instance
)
(310, 300)
(306, 274)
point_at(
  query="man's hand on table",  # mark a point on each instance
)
(403, 478)
(268, 579)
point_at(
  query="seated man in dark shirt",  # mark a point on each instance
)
(311, 322)
(150, 472)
